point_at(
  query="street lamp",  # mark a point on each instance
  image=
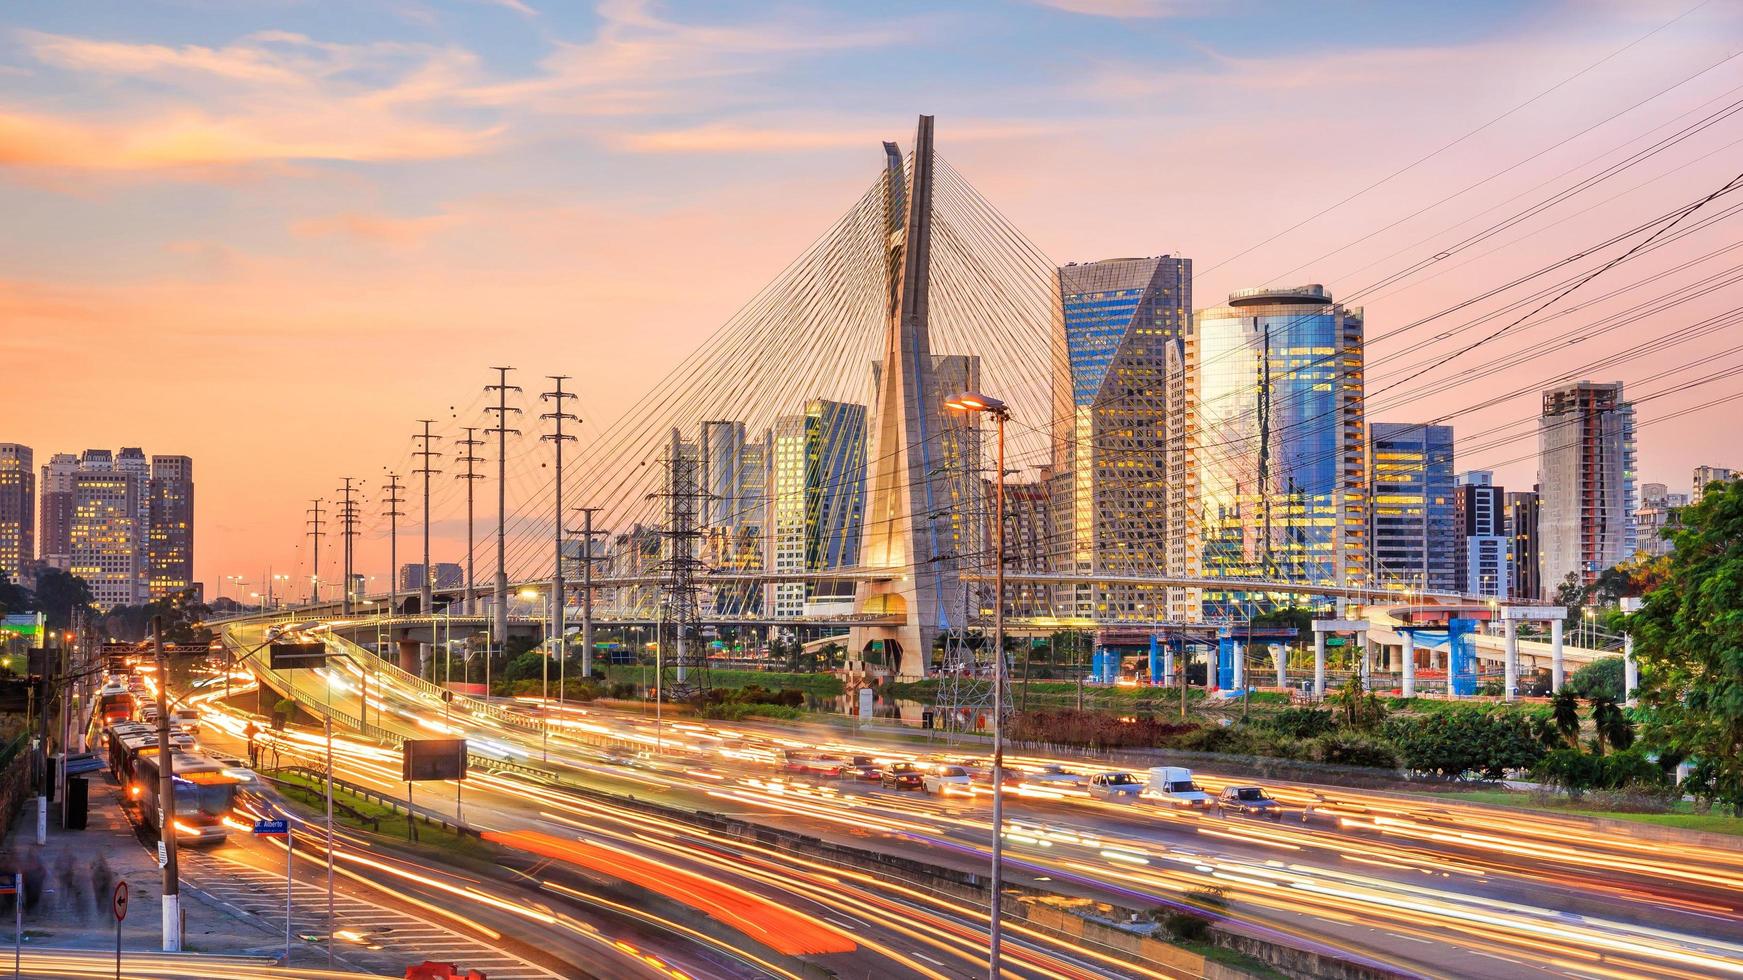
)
(972, 401)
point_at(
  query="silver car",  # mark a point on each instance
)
(1115, 786)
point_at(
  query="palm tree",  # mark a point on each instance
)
(1613, 727)
(1564, 711)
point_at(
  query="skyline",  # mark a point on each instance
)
(230, 223)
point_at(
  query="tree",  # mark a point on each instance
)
(1564, 711)
(1467, 740)
(1600, 678)
(1689, 640)
(58, 594)
(1614, 729)
(14, 598)
(1357, 708)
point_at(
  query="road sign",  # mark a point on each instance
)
(120, 900)
(162, 854)
(433, 758)
(271, 828)
(286, 656)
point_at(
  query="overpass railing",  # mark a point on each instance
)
(380, 667)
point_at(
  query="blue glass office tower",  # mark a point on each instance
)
(1414, 528)
(1121, 375)
(1275, 435)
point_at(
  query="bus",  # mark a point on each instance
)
(205, 795)
(114, 704)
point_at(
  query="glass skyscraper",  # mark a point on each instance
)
(817, 495)
(1414, 533)
(1122, 372)
(1276, 436)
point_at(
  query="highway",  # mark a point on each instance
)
(1433, 889)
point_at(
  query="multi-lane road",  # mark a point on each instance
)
(1429, 888)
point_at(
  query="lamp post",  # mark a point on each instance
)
(975, 402)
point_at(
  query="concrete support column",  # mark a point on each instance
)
(1367, 670)
(1630, 669)
(1240, 654)
(408, 655)
(1557, 666)
(1409, 664)
(1319, 663)
(1280, 653)
(1510, 682)
(1168, 665)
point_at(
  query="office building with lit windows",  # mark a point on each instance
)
(170, 534)
(1481, 508)
(816, 498)
(1412, 529)
(55, 500)
(1119, 382)
(1277, 440)
(1524, 575)
(1585, 476)
(17, 509)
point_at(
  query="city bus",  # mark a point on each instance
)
(114, 704)
(205, 795)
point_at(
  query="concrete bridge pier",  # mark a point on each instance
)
(1409, 663)
(408, 656)
(1510, 682)
(1280, 653)
(1557, 667)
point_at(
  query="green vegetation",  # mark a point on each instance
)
(358, 813)
(1600, 678)
(1680, 814)
(1689, 635)
(821, 685)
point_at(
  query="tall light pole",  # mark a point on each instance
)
(976, 402)
(557, 416)
(468, 455)
(502, 431)
(426, 605)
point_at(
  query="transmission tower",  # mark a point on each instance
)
(502, 432)
(684, 674)
(393, 514)
(426, 601)
(315, 524)
(559, 599)
(468, 455)
(348, 532)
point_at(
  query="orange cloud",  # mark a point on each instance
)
(379, 229)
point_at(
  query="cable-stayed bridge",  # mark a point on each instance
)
(801, 467)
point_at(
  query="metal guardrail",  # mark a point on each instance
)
(471, 705)
(394, 803)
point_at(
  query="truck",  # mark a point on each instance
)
(1173, 785)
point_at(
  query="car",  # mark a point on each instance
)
(948, 779)
(862, 768)
(903, 775)
(1251, 801)
(1115, 786)
(1054, 774)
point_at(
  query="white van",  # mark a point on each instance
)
(1174, 785)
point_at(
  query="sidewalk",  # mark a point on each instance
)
(70, 884)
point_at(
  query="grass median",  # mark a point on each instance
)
(359, 813)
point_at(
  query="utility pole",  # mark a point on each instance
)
(315, 523)
(393, 514)
(502, 432)
(468, 456)
(348, 532)
(166, 784)
(559, 603)
(426, 605)
(587, 560)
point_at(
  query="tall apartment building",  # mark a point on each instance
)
(1480, 510)
(1029, 539)
(1524, 573)
(17, 510)
(449, 575)
(1413, 533)
(1277, 439)
(1585, 475)
(1656, 515)
(55, 529)
(170, 537)
(1710, 474)
(816, 497)
(109, 526)
(1117, 384)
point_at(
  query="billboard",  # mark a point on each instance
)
(433, 758)
(285, 656)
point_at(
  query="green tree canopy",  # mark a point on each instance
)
(1689, 638)
(58, 593)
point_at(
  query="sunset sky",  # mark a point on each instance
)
(271, 234)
